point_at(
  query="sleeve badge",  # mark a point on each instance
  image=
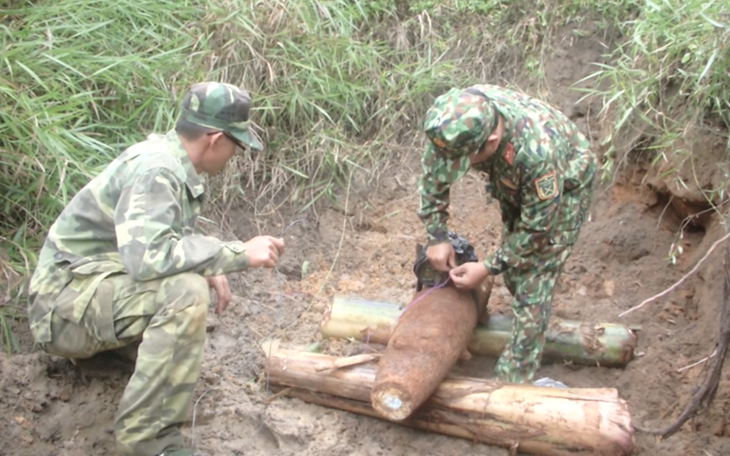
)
(546, 186)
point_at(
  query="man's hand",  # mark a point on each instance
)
(220, 285)
(441, 256)
(264, 251)
(468, 275)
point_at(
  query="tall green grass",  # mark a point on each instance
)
(671, 74)
(337, 84)
(333, 81)
(79, 81)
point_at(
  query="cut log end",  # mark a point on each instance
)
(391, 402)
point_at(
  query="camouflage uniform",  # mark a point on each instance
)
(123, 266)
(542, 175)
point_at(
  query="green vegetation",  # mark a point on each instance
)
(333, 82)
(78, 81)
(672, 73)
(338, 85)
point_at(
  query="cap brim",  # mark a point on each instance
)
(248, 138)
(245, 136)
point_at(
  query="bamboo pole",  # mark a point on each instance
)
(540, 421)
(603, 344)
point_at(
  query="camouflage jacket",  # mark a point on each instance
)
(542, 156)
(136, 217)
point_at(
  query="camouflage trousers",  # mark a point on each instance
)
(166, 319)
(532, 291)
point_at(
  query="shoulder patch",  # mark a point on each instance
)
(546, 186)
(509, 153)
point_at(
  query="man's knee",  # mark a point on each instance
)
(185, 290)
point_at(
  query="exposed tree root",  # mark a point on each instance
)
(705, 392)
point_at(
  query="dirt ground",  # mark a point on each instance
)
(364, 245)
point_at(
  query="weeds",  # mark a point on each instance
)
(670, 76)
(79, 81)
(333, 81)
(338, 85)
(9, 279)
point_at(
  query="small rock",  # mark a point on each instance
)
(27, 439)
(547, 382)
(609, 286)
(588, 279)
(211, 323)
(290, 268)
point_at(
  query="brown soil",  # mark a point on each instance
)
(49, 407)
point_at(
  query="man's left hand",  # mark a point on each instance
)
(220, 285)
(468, 275)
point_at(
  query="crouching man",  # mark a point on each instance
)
(122, 268)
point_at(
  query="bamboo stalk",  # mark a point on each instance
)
(540, 421)
(603, 344)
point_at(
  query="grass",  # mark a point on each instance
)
(333, 81)
(669, 76)
(338, 85)
(78, 82)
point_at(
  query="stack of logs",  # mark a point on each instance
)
(409, 382)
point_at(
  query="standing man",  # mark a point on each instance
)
(541, 170)
(122, 268)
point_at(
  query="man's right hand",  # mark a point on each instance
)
(264, 251)
(441, 256)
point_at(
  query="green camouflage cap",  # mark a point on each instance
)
(222, 107)
(459, 122)
(442, 169)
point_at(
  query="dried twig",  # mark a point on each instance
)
(705, 393)
(195, 410)
(685, 277)
(682, 369)
(276, 396)
(339, 363)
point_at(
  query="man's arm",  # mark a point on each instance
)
(434, 200)
(147, 219)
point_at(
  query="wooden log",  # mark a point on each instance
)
(602, 344)
(427, 340)
(540, 421)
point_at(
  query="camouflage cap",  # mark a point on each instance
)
(441, 169)
(222, 107)
(459, 122)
